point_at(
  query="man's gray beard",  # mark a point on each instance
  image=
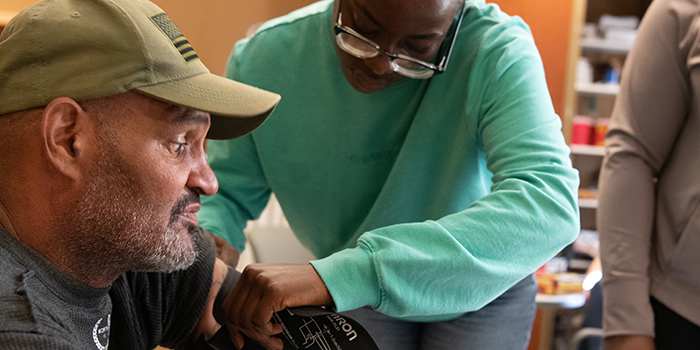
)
(116, 229)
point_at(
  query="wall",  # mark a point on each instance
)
(15, 5)
(10, 7)
(213, 26)
(550, 22)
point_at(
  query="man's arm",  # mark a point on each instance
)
(224, 251)
(207, 324)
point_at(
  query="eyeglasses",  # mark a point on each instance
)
(357, 45)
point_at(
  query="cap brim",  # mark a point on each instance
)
(235, 108)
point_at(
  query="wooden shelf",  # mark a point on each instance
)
(560, 301)
(587, 150)
(606, 45)
(588, 203)
(598, 89)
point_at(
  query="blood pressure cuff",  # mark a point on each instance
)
(305, 327)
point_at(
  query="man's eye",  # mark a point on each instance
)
(179, 148)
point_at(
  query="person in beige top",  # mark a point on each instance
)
(649, 214)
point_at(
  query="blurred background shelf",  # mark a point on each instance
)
(606, 45)
(598, 88)
(560, 301)
(587, 150)
(588, 203)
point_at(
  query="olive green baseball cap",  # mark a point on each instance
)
(85, 49)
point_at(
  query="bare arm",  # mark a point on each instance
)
(225, 251)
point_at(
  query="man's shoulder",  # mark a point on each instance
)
(22, 315)
(14, 302)
(11, 271)
(19, 328)
(32, 316)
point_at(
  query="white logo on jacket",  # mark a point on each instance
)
(100, 333)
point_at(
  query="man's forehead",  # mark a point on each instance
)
(185, 115)
(176, 114)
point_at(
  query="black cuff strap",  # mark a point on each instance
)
(232, 277)
(221, 340)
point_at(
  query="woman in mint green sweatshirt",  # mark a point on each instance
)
(429, 192)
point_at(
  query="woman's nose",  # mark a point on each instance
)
(380, 64)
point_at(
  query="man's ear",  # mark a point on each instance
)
(66, 130)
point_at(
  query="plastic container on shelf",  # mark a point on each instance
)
(612, 76)
(582, 130)
(560, 283)
(599, 131)
(618, 22)
(584, 71)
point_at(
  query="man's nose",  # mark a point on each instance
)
(202, 179)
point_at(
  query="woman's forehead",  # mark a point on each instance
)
(407, 15)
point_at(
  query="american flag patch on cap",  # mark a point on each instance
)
(168, 27)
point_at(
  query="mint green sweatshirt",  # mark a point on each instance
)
(425, 200)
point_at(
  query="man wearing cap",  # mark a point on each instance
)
(104, 109)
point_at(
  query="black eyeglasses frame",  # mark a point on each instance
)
(446, 50)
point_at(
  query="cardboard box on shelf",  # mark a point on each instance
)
(560, 283)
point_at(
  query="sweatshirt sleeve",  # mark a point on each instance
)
(459, 263)
(647, 118)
